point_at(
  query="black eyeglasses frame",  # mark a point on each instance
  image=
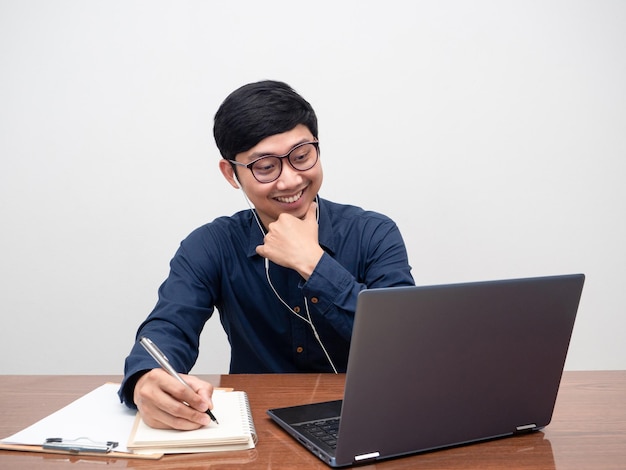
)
(249, 166)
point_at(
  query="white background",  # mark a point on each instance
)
(493, 132)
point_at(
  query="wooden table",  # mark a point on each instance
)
(588, 429)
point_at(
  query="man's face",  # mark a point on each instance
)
(292, 192)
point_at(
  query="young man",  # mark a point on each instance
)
(284, 274)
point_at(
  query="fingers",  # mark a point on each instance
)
(201, 399)
(162, 401)
(293, 243)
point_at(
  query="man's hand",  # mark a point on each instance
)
(161, 400)
(293, 243)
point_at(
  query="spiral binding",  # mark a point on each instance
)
(250, 422)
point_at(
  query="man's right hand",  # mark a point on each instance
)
(161, 400)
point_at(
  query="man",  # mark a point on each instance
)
(284, 275)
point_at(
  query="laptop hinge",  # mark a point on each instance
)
(371, 455)
(526, 427)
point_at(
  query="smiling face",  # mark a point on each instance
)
(293, 191)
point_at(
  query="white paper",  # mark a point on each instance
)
(99, 416)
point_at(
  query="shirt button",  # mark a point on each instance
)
(315, 300)
(296, 309)
(299, 349)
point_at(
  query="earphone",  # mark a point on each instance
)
(306, 319)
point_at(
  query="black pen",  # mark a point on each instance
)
(158, 356)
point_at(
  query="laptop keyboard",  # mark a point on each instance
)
(325, 430)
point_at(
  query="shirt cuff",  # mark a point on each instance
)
(328, 281)
(127, 389)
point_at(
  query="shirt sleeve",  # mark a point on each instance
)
(381, 261)
(185, 304)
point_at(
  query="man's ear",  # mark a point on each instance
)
(229, 173)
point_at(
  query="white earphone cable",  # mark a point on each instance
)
(306, 320)
(306, 304)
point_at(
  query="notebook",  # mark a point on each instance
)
(439, 366)
(235, 430)
(98, 418)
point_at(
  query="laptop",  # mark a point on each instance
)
(440, 366)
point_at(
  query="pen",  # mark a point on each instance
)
(158, 356)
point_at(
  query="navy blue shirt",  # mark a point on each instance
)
(217, 266)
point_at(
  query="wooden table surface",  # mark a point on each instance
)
(588, 430)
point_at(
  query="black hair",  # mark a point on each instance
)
(256, 111)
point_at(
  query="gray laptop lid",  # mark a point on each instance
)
(445, 365)
(437, 366)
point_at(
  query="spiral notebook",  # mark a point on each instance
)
(235, 430)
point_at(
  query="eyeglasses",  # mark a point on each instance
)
(266, 169)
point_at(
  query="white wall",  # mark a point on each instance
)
(493, 132)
